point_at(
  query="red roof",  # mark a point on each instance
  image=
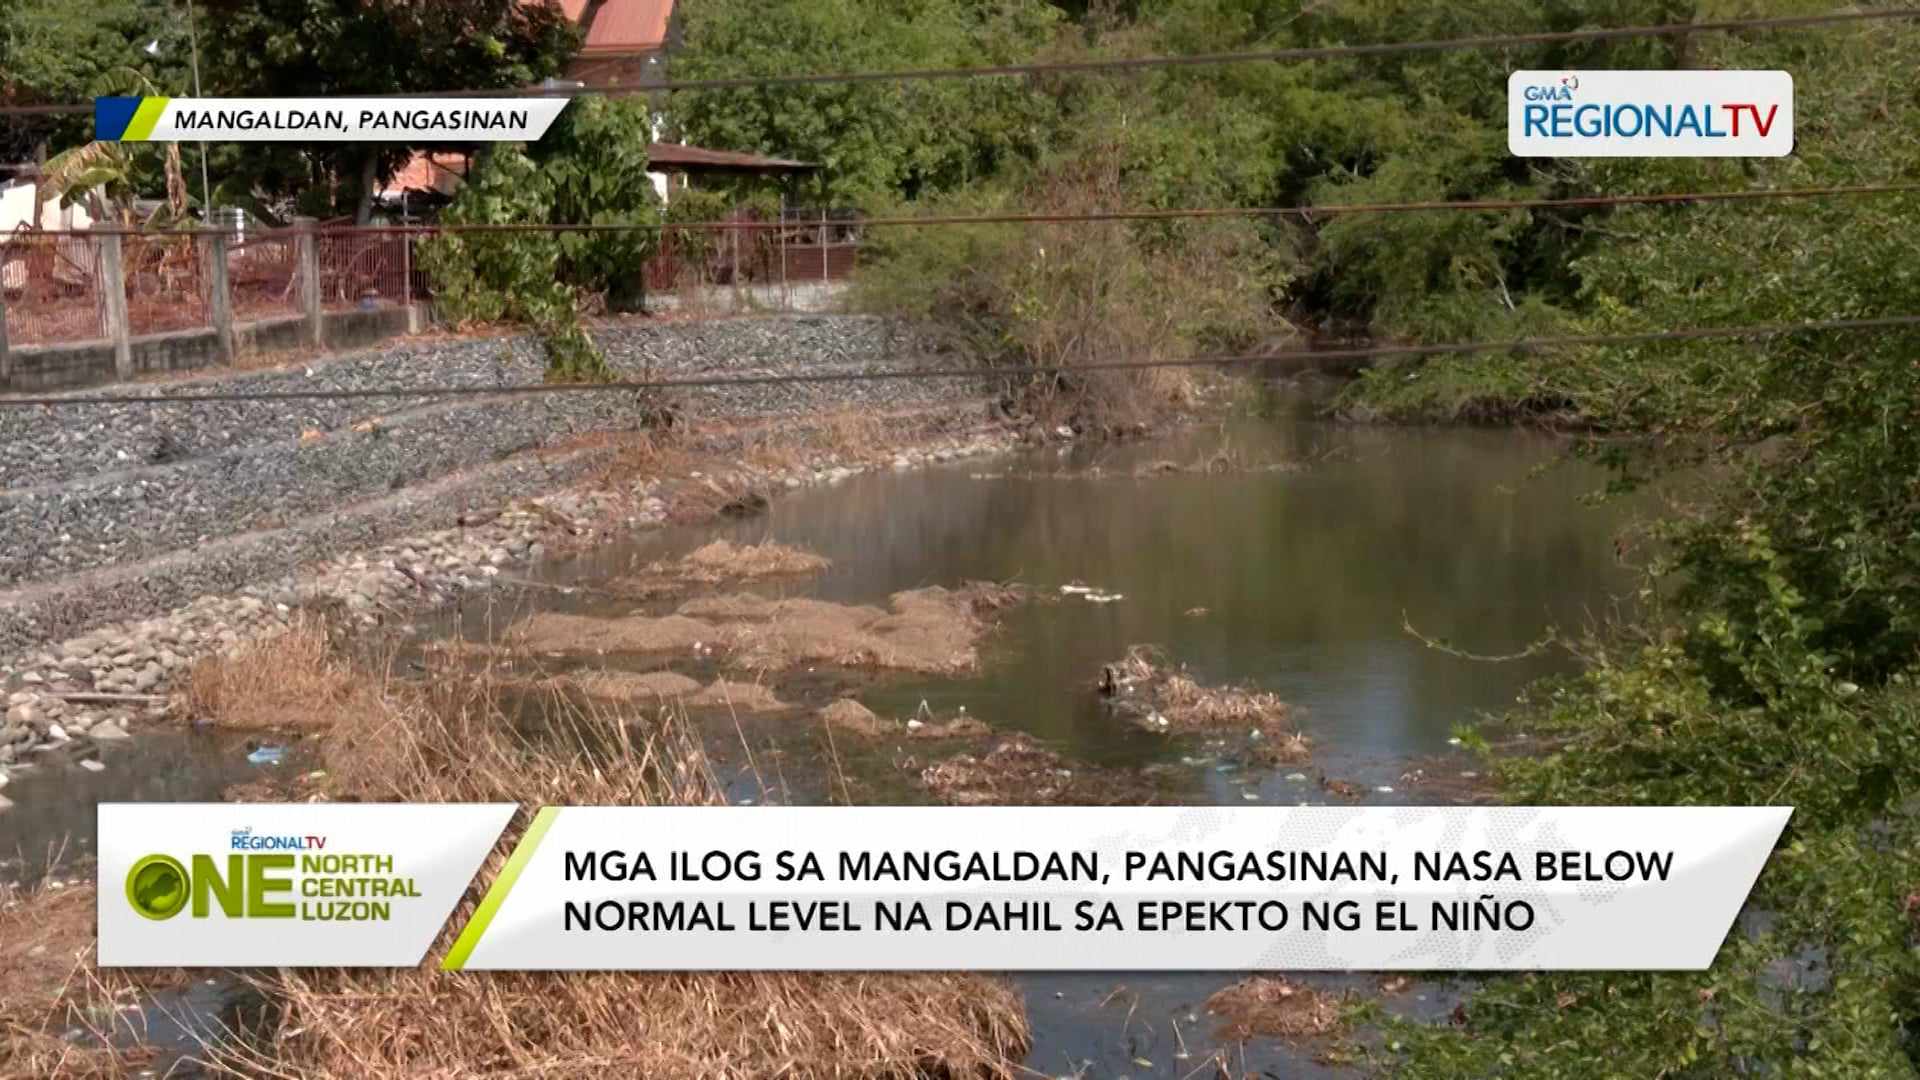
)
(622, 27)
(443, 172)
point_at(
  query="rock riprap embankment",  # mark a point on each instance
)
(102, 685)
(170, 501)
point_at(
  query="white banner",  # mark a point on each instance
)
(1650, 113)
(284, 885)
(1120, 888)
(325, 119)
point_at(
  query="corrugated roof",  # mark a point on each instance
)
(699, 157)
(622, 27)
(438, 172)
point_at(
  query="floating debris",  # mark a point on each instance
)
(267, 755)
(1276, 1008)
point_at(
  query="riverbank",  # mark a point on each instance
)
(105, 684)
(139, 537)
(780, 659)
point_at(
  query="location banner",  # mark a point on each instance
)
(284, 885)
(324, 119)
(1119, 888)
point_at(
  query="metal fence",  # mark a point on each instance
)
(263, 276)
(54, 284)
(166, 283)
(762, 261)
(361, 269)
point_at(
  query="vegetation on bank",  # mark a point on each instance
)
(1775, 656)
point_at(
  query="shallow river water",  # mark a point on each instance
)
(1295, 565)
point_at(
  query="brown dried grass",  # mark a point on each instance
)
(1020, 772)
(1161, 698)
(49, 988)
(1276, 1008)
(291, 680)
(450, 741)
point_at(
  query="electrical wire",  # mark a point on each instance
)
(979, 372)
(1173, 214)
(1137, 63)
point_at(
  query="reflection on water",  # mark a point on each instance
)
(1299, 581)
(52, 821)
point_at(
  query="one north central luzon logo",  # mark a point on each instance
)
(1557, 110)
(270, 876)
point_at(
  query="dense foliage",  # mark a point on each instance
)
(54, 53)
(1775, 655)
(300, 48)
(590, 169)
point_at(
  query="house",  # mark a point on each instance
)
(20, 205)
(430, 180)
(626, 41)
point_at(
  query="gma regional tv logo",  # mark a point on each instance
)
(1650, 113)
(269, 876)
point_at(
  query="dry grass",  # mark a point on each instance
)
(292, 680)
(49, 988)
(1275, 1008)
(449, 741)
(844, 435)
(1160, 698)
(1020, 772)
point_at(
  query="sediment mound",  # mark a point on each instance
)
(744, 697)
(931, 631)
(554, 632)
(856, 719)
(717, 562)
(645, 686)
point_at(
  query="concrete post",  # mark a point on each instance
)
(309, 248)
(6, 357)
(113, 294)
(219, 293)
(823, 248)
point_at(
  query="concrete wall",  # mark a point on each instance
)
(90, 363)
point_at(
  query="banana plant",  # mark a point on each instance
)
(104, 175)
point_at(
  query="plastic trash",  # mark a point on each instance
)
(267, 755)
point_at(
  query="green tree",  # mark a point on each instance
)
(304, 48)
(55, 52)
(590, 169)
(874, 140)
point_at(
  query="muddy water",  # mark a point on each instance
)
(1293, 564)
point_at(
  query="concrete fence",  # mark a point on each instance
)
(82, 310)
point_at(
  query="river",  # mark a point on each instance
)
(1281, 551)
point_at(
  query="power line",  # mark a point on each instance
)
(1138, 63)
(979, 372)
(1174, 214)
